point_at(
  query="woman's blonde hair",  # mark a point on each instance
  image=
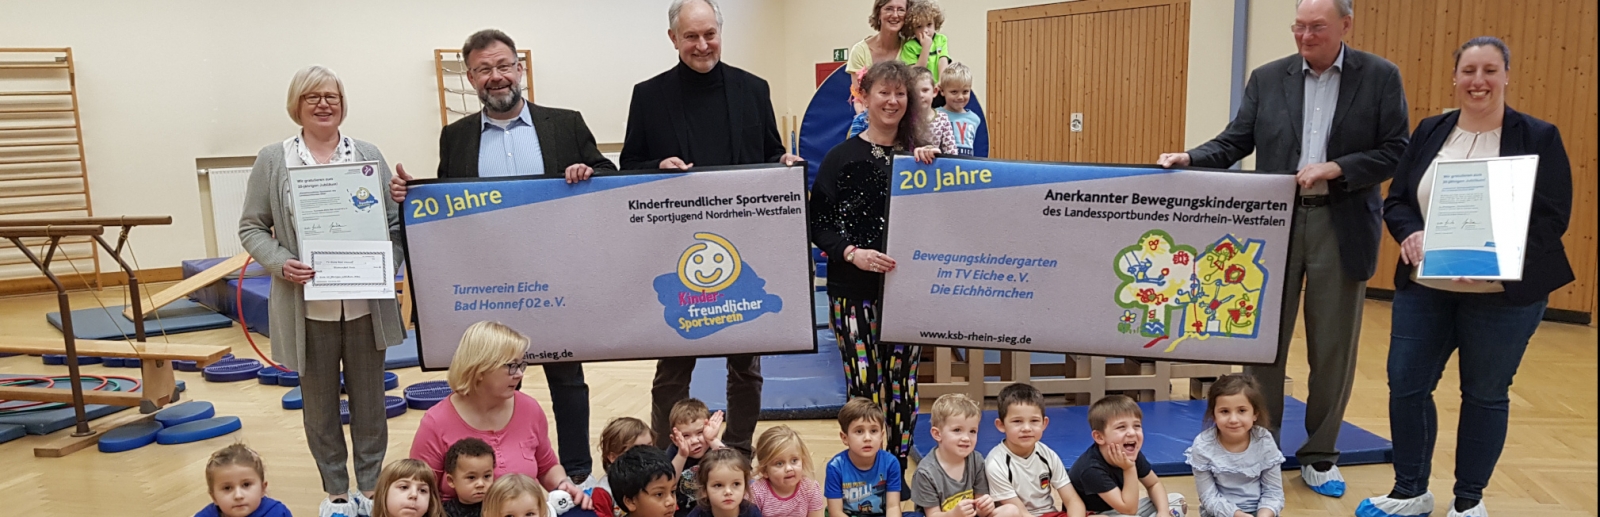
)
(308, 79)
(407, 469)
(508, 488)
(776, 441)
(485, 345)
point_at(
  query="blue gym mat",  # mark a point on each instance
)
(221, 296)
(10, 432)
(1169, 429)
(46, 422)
(797, 386)
(403, 355)
(109, 323)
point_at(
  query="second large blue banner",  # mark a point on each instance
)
(1087, 259)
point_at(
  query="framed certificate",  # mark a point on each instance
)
(343, 230)
(1477, 221)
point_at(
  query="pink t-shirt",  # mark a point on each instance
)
(523, 446)
(807, 498)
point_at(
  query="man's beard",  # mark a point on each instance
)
(494, 105)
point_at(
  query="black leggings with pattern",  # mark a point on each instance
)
(883, 372)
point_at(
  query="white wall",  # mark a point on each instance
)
(165, 82)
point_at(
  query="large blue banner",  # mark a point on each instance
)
(617, 267)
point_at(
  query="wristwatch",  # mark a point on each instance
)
(850, 255)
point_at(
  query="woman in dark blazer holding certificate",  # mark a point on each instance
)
(1490, 323)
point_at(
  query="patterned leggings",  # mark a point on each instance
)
(883, 372)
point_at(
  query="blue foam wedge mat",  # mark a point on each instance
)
(797, 386)
(61, 359)
(392, 407)
(268, 375)
(221, 296)
(292, 399)
(129, 437)
(10, 432)
(424, 395)
(198, 430)
(177, 317)
(391, 381)
(403, 355)
(192, 366)
(49, 421)
(1169, 429)
(121, 362)
(180, 414)
(233, 370)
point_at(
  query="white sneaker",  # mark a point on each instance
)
(361, 504)
(1384, 506)
(1330, 483)
(330, 508)
(1475, 511)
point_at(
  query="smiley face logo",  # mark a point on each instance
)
(710, 265)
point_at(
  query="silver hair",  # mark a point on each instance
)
(677, 5)
(1346, 7)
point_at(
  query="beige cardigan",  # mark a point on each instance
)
(263, 206)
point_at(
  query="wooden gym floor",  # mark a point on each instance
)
(1548, 468)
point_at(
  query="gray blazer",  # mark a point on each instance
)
(263, 207)
(1371, 127)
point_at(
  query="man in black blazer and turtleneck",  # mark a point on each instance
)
(700, 113)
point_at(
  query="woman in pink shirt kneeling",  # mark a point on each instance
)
(484, 375)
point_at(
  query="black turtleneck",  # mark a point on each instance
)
(705, 104)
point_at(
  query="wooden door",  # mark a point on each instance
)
(1552, 72)
(1122, 64)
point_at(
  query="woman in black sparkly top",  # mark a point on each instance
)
(847, 209)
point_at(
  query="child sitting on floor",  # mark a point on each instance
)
(237, 481)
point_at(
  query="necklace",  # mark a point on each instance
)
(877, 152)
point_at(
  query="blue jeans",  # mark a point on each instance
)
(1428, 326)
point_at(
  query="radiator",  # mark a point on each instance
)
(227, 187)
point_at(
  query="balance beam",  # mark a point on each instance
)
(202, 354)
(155, 367)
(192, 284)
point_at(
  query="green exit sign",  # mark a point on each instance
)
(840, 54)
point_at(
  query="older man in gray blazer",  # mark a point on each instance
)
(1338, 116)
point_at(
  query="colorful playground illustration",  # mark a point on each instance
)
(1171, 291)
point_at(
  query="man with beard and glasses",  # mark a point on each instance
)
(514, 137)
(703, 112)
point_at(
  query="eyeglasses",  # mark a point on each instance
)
(312, 99)
(894, 10)
(505, 69)
(516, 367)
(1313, 29)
